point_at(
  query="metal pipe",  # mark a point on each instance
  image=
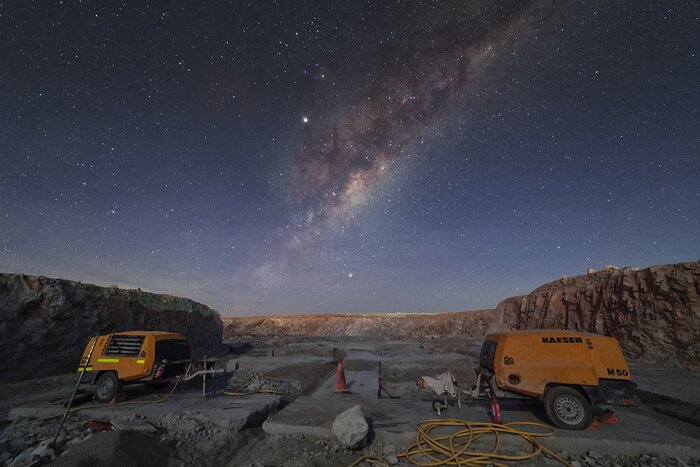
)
(77, 385)
(204, 378)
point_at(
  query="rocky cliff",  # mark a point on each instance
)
(46, 323)
(654, 312)
(468, 323)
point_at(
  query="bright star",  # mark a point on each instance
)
(305, 119)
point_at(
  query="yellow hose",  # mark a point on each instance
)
(431, 450)
(156, 401)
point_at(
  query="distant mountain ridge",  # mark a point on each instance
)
(467, 323)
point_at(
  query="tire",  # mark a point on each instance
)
(107, 386)
(567, 408)
(439, 406)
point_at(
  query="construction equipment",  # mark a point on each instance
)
(568, 371)
(133, 357)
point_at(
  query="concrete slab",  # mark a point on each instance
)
(229, 413)
(226, 412)
(394, 421)
(313, 415)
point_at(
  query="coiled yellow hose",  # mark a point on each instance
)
(455, 448)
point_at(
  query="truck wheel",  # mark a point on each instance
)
(567, 408)
(108, 385)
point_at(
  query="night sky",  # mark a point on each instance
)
(347, 156)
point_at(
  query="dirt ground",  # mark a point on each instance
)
(189, 429)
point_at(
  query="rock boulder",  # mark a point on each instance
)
(350, 427)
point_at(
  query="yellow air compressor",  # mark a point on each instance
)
(568, 371)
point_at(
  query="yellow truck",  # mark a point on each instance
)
(568, 371)
(133, 357)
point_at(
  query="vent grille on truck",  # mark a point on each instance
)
(124, 346)
(488, 354)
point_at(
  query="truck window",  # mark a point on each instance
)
(172, 349)
(488, 352)
(121, 345)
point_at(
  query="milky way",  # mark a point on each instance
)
(425, 72)
(346, 155)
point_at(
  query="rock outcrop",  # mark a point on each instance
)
(654, 312)
(46, 323)
(466, 323)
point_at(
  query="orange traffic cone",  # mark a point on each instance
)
(593, 426)
(340, 384)
(607, 418)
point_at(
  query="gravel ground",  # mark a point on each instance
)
(187, 437)
(118, 449)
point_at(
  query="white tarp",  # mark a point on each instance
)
(444, 383)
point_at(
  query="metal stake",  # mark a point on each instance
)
(72, 397)
(204, 378)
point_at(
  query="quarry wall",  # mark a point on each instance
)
(46, 323)
(654, 312)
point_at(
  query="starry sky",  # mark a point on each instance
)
(279, 157)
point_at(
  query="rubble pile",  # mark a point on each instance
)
(119, 448)
(250, 381)
(26, 440)
(304, 452)
(187, 427)
(596, 459)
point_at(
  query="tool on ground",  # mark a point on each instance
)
(100, 425)
(569, 371)
(75, 390)
(340, 384)
(444, 384)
